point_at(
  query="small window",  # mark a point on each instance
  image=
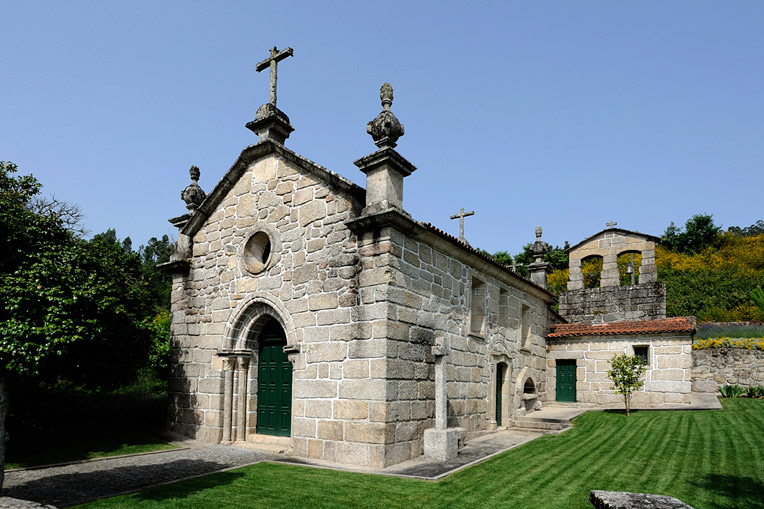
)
(642, 353)
(477, 307)
(525, 330)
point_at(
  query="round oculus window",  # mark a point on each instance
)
(257, 251)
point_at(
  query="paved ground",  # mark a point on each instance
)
(81, 482)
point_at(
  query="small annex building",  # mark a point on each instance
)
(624, 313)
(309, 308)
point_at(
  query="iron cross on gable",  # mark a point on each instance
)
(272, 63)
(461, 215)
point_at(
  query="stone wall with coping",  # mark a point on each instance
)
(614, 303)
(668, 378)
(712, 367)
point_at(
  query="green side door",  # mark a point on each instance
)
(274, 386)
(499, 383)
(566, 380)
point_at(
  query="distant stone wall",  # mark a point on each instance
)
(614, 303)
(713, 367)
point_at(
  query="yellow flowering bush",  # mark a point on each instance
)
(726, 342)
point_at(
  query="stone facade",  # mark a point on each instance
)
(363, 293)
(713, 367)
(668, 377)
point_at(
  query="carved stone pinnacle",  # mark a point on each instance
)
(193, 195)
(385, 129)
(539, 248)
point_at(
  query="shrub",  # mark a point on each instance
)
(732, 391)
(742, 343)
(756, 392)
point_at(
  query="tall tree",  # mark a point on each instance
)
(699, 233)
(71, 310)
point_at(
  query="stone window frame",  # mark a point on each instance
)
(472, 312)
(258, 267)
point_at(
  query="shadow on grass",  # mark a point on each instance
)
(737, 491)
(66, 489)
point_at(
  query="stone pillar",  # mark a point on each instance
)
(441, 443)
(648, 272)
(576, 277)
(441, 392)
(242, 366)
(538, 272)
(610, 276)
(228, 365)
(385, 170)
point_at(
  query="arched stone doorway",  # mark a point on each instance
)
(257, 346)
(274, 382)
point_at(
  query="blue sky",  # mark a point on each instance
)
(560, 114)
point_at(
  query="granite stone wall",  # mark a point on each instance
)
(712, 367)
(667, 378)
(614, 303)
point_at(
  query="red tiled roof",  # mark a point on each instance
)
(567, 330)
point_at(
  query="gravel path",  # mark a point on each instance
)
(81, 482)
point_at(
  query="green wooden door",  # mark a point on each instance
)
(274, 385)
(566, 380)
(500, 369)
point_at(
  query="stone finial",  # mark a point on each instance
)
(193, 195)
(385, 129)
(539, 248)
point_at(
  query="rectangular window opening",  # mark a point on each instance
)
(643, 353)
(477, 307)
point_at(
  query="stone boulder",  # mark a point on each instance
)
(626, 500)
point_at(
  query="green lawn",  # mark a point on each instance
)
(29, 450)
(708, 459)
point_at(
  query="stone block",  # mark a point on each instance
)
(315, 388)
(331, 430)
(318, 408)
(352, 453)
(442, 444)
(350, 409)
(367, 389)
(327, 352)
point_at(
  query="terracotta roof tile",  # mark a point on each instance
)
(567, 330)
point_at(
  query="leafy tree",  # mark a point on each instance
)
(72, 310)
(626, 373)
(755, 229)
(699, 233)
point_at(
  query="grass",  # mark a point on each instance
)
(29, 450)
(708, 459)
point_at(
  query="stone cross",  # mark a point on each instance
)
(440, 351)
(461, 215)
(515, 265)
(272, 62)
(611, 224)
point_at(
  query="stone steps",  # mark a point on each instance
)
(540, 424)
(266, 443)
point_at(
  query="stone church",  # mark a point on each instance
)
(309, 308)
